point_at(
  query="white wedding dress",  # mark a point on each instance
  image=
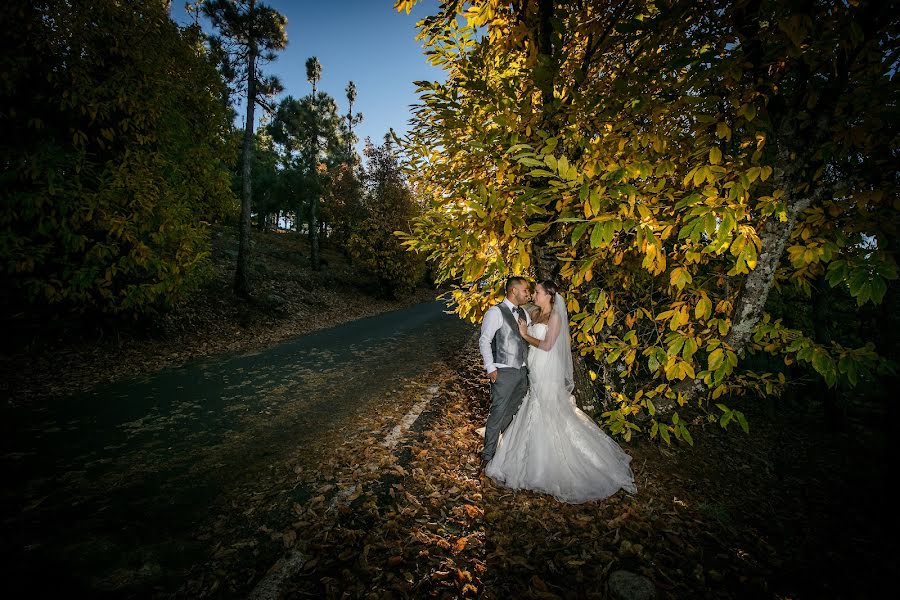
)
(551, 446)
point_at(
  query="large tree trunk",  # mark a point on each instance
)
(242, 275)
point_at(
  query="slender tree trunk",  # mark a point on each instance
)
(314, 214)
(242, 275)
(751, 300)
(349, 128)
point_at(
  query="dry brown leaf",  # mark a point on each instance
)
(289, 537)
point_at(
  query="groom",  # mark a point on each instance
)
(504, 352)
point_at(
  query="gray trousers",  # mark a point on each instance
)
(507, 394)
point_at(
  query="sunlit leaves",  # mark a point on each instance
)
(651, 179)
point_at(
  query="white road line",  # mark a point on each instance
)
(406, 422)
(270, 586)
(286, 567)
(340, 497)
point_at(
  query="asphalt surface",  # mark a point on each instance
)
(100, 486)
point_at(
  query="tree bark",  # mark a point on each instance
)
(314, 201)
(751, 300)
(242, 274)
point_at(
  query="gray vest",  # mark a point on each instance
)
(508, 346)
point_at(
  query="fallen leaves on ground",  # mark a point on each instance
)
(761, 516)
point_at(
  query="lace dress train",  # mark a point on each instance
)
(553, 447)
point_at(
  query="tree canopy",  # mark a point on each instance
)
(250, 34)
(671, 163)
(115, 154)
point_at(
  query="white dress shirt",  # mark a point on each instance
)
(493, 320)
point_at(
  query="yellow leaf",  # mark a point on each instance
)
(700, 175)
(690, 176)
(723, 131)
(724, 325)
(715, 155)
(715, 359)
(753, 173)
(703, 308)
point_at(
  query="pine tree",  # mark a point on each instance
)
(250, 34)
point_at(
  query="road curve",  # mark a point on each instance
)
(102, 483)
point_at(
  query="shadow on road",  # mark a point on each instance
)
(105, 490)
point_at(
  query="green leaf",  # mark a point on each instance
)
(597, 235)
(686, 435)
(578, 232)
(664, 434)
(742, 421)
(725, 419)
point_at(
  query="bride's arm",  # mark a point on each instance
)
(553, 329)
(523, 331)
(554, 326)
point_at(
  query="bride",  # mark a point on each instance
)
(551, 446)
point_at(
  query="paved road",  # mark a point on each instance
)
(123, 475)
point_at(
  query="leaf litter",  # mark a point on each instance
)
(728, 518)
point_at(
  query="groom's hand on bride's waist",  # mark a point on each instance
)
(493, 376)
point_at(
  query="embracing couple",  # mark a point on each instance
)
(547, 444)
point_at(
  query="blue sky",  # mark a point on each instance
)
(365, 41)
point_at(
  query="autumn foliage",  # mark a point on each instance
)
(671, 163)
(389, 208)
(114, 155)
